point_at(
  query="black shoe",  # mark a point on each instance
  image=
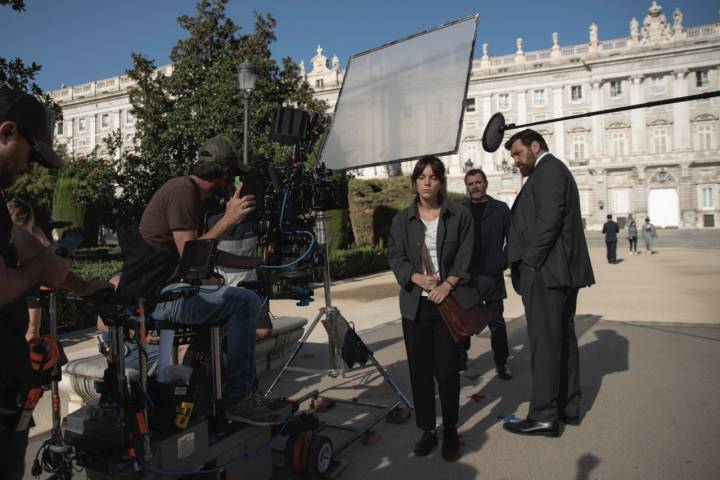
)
(573, 420)
(450, 445)
(532, 427)
(426, 444)
(503, 371)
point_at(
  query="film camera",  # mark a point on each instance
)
(291, 203)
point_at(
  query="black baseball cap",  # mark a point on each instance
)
(34, 121)
(222, 150)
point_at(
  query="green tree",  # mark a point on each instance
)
(199, 97)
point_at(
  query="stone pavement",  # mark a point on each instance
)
(649, 335)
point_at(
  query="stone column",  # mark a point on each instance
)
(487, 159)
(92, 120)
(116, 124)
(559, 126)
(68, 127)
(521, 107)
(637, 117)
(597, 121)
(681, 113)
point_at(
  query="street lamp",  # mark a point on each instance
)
(246, 77)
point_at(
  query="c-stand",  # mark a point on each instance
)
(341, 339)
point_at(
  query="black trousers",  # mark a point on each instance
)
(432, 355)
(498, 331)
(554, 355)
(633, 244)
(611, 251)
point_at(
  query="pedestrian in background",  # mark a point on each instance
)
(649, 235)
(631, 232)
(611, 229)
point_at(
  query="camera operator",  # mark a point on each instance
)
(26, 128)
(173, 217)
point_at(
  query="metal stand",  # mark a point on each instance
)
(331, 315)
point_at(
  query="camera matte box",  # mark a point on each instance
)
(290, 125)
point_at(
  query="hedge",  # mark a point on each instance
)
(374, 203)
(357, 261)
(72, 314)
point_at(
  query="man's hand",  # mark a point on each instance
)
(438, 294)
(426, 282)
(238, 208)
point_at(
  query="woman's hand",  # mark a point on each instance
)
(438, 294)
(426, 282)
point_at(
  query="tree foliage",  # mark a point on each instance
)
(199, 97)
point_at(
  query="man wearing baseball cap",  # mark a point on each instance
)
(26, 130)
(173, 217)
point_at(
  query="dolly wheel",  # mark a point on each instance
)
(320, 455)
(294, 446)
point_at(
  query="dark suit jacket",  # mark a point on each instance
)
(546, 232)
(455, 241)
(610, 229)
(492, 250)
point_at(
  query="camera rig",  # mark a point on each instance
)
(290, 204)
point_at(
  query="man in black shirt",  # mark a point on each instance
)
(25, 139)
(492, 223)
(611, 229)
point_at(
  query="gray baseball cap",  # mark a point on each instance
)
(222, 150)
(34, 121)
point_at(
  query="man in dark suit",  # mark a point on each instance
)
(489, 259)
(549, 263)
(611, 229)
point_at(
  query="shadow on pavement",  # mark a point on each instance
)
(392, 457)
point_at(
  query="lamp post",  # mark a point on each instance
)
(246, 77)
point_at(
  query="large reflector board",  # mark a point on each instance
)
(403, 100)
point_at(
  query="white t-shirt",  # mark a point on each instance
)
(431, 244)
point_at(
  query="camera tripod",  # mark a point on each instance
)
(332, 319)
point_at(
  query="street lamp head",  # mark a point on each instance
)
(246, 76)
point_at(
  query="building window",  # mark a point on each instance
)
(657, 84)
(702, 79)
(620, 201)
(539, 97)
(59, 128)
(129, 117)
(319, 83)
(105, 120)
(579, 147)
(703, 134)
(709, 221)
(504, 101)
(660, 140)
(470, 105)
(618, 144)
(615, 88)
(707, 201)
(81, 125)
(576, 93)
(584, 202)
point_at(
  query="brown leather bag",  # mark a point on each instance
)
(462, 323)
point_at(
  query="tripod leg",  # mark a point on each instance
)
(389, 380)
(295, 352)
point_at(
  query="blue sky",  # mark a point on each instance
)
(77, 41)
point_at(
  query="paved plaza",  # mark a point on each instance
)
(649, 335)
